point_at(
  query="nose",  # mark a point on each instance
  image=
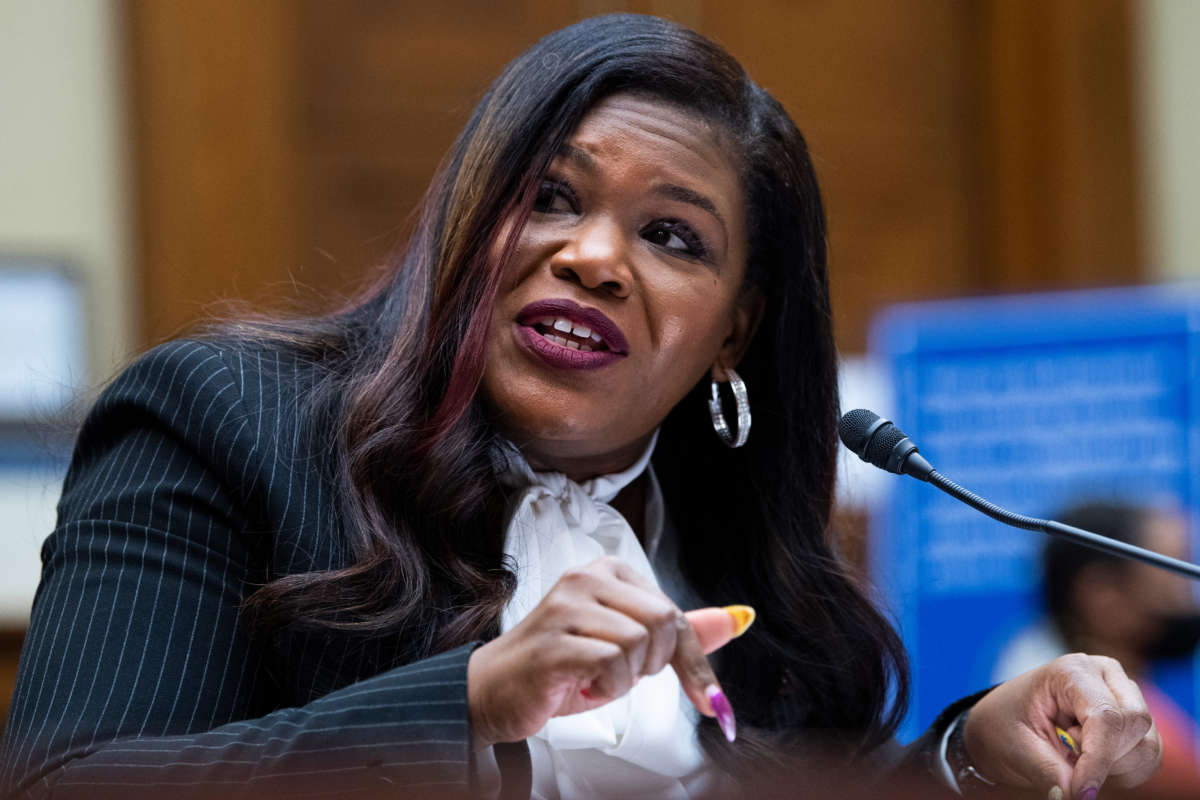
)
(596, 257)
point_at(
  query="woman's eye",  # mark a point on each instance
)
(675, 236)
(554, 197)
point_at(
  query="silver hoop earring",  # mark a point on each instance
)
(743, 411)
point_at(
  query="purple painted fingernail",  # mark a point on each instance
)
(1089, 793)
(724, 712)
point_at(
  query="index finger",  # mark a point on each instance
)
(1102, 731)
(698, 680)
(715, 627)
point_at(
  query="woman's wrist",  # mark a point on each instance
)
(481, 737)
(971, 780)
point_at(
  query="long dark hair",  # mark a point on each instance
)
(402, 365)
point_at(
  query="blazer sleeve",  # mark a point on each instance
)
(138, 677)
(919, 762)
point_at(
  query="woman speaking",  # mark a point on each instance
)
(437, 542)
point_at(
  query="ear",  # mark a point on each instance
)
(747, 314)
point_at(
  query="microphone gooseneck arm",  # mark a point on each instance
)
(1049, 526)
(877, 441)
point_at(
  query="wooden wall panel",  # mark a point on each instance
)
(211, 84)
(10, 650)
(962, 147)
(385, 91)
(881, 93)
(1057, 163)
(281, 145)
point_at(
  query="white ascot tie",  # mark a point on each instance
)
(644, 743)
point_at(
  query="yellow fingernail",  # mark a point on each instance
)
(1066, 739)
(743, 617)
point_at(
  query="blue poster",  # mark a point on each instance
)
(1033, 402)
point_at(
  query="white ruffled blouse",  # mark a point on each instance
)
(643, 744)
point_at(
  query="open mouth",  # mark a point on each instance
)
(565, 333)
(567, 324)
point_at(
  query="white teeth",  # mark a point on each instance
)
(564, 325)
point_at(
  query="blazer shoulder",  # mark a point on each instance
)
(188, 379)
(230, 410)
(177, 385)
(192, 363)
(213, 397)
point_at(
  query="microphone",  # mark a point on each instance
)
(880, 443)
(877, 441)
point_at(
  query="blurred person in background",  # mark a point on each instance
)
(1098, 603)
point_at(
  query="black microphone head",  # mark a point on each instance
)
(880, 443)
(883, 445)
(856, 427)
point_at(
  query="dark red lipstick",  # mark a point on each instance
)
(566, 335)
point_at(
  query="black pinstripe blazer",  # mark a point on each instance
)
(191, 483)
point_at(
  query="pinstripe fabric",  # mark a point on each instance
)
(192, 483)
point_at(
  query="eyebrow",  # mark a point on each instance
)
(671, 191)
(686, 195)
(581, 157)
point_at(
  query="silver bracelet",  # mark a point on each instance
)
(964, 771)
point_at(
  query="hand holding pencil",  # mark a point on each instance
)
(1065, 729)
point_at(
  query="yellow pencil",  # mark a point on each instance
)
(1066, 739)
